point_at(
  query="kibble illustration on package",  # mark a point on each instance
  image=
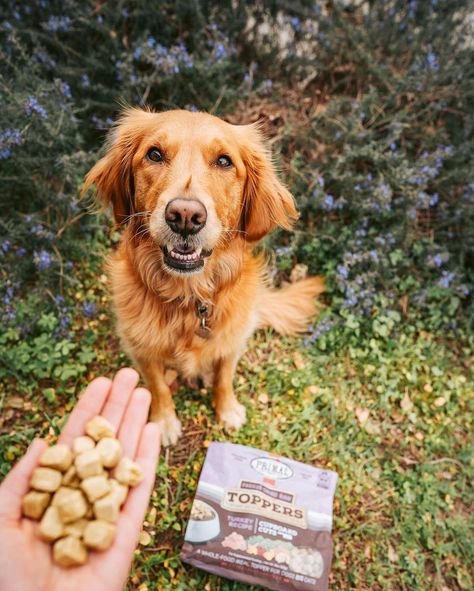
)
(262, 519)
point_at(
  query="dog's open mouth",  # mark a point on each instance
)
(185, 259)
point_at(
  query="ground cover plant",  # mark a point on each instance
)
(368, 108)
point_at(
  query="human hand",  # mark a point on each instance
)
(25, 560)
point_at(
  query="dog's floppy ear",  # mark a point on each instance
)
(267, 203)
(113, 174)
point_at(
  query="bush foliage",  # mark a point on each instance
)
(381, 168)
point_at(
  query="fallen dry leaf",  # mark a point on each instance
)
(298, 360)
(15, 402)
(362, 414)
(371, 427)
(406, 404)
(144, 538)
(392, 555)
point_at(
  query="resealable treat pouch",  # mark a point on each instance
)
(262, 519)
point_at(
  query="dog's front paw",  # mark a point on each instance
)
(170, 427)
(232, 416)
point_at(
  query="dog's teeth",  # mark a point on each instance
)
(193, 256)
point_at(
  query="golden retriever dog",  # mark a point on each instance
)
(194, 194)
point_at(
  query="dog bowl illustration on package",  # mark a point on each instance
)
(203, 524)
(262, 519)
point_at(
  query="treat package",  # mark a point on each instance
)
(262, 519)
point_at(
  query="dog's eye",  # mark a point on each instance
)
(224, 161)
(155, 155)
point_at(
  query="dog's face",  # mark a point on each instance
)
(190, 182)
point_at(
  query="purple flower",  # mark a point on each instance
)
(324, 326)
(5, 246)
(437, 260)
(282, 250)
(220, 52)
(89, 309)
(296, 23)
(20, 252)
(58, 23)
(431, 60)
(65, 89)
(266, 86)
(343, 271)
(32, 106)
(42, 259)
(8, 139)
(446, 279)
(329, 201)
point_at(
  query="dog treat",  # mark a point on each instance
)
(82, 444)
(69, 551)
(98, 428)
(262, 519)
(128, 472)
(51, 527)
(88, 464)
(95, 487)
(34, 504)
(119, 490)
(62, 493)
(74, 497)
(76, 528)
(107, 508)
(46, 479)
(110, 451)
(72, 506)
(99, 534)
(58, 457)
(71, 478)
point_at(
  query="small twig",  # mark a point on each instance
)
(450, 460)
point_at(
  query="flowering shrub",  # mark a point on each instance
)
(383, 171)
(381, 168)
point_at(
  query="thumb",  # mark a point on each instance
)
(17, 481)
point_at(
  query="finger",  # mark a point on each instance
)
(17, 481)
(123, 386)
(133, 421)
(90, 404)
(131, 518)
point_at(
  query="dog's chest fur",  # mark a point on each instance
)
(153, 329)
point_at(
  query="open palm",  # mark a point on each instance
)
(25, 560)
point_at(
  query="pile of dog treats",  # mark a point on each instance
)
(77, 494)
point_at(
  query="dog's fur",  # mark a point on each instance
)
(156, 305)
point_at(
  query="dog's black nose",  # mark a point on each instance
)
(185, 216)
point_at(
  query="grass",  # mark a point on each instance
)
(392, 416)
